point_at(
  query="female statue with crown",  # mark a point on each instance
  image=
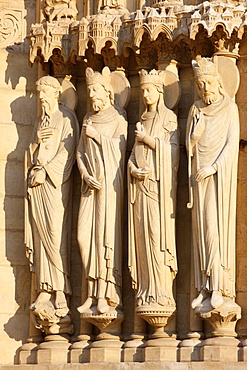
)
(152, 171)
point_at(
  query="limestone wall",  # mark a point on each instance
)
(18, 112)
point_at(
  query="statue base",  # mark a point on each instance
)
(28, 353)
(190, 348)
(107, 347)
(79, 351)
(221, 321)
(221, 344)
(161, 346)
(53, 351)
(243, 350)
(134, 348)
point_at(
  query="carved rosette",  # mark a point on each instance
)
(10, 27)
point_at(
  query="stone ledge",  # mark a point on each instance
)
(133, 366)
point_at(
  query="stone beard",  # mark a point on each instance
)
(50, 158)
(212, 141)
(101, 156)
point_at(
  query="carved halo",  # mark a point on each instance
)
(172, 89)
(68, 96)
(121, 88)
(231, 84)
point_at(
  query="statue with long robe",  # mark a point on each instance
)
(49, 159)
(152, 181)
(212, 141)
(100, 158)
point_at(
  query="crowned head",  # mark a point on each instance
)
(152, 86)
(99, 88)
(208, 80)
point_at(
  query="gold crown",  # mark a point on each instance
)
(204, 66)
(154, 77)
(94, 77)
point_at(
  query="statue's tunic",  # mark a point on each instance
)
(100, 214)
(48, 206)
(214, 198)
(152, 206)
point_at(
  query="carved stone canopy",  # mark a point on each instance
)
(112, 34)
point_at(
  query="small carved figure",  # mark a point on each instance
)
(100, 158)
(57, 9)
(212, 144)
(152, 170)
(50, 157)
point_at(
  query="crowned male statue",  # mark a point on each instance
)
(212, 141)
(50, 158)
(100, 158)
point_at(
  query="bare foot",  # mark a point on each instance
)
(216, 299)
(198, 300)
(61, 304)
(86, 305)
(60, 300)
(42, 298)
(102, 306)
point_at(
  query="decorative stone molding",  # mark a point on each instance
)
(10, 27)
(168, 24)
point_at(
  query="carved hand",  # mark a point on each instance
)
(43, 134)
(140, 133)
(38, 177)
(92, 182)
(90, 131)
(140, 173)
(205, 172)
(199, 126)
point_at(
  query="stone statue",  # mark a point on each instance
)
(100, 157)
(152, 171)
(60, 9)
(50, 158)
(212, 141)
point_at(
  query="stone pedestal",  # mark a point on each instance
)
(221, 344)
(79, 351)
(243, 350)
(160, 346)
(134, 349)
(220, 349)
(53, 351)
(28, 353)
(190, 348)
(107, 347)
